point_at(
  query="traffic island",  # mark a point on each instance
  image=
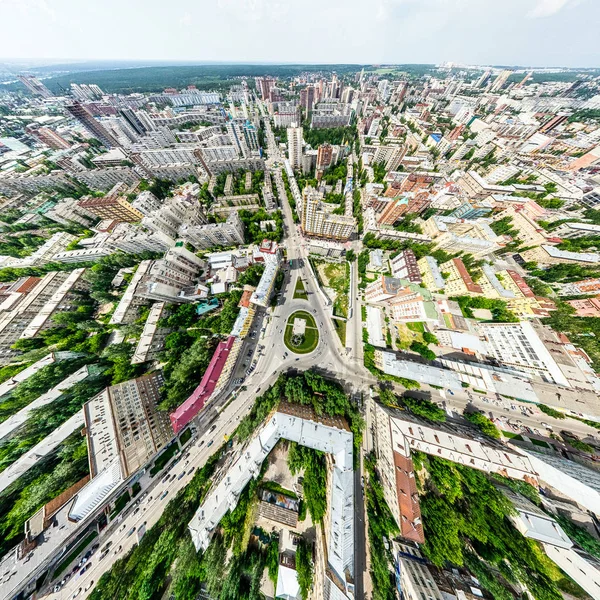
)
(301, 334)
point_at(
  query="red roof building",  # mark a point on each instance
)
(200, 396)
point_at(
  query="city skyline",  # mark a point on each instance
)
(398, 31)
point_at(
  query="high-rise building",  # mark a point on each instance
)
(483, 79)
(264, 85)
(123, 424)
(215, 234)
(35, 86)
(294, 135)
(133, 121)
(49, 137)
(251, 136)
(112, 207)
(307, 98)
(324, 156)
(317, 218)
(237, 137)
(95, 128)
(500, 80)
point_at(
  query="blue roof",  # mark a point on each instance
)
(436, 137)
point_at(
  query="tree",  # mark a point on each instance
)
(485, 425)
(304, 567)
(423, 350)
(424, 408)
(350, 255)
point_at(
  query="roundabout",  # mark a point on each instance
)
(301, 334)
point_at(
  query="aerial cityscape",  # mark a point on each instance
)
(299, 331)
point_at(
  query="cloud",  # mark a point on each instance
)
(547, 8)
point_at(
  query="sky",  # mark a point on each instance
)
(500, 32)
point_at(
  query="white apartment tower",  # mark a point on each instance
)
(317, 218)
(294, 135)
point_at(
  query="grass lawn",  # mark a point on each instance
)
(407, 335)
(337, 277)
(185, 436)
(163, 459)
(340, 329)
(74, 553)
(417, 327)
(120, 504)
(512, 436)
(299, 291)
(273, 486)
(311, 336)
(539, 443)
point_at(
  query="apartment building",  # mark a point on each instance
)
(458, 279)
(317, 218)
(586, 307)
(106, 178)
(474, 186)
(431, 274)
(68, 211)
(133, 240)
(404, 266)
(530, 233)
(413, 576)
(124, 426)
(114, 207)
(203, 237)
(32, 302)
(518, 345)
(413, 304)
(295, 144)
(550, 255)
(175, 213)
(130, 302)
(411, 202)
(382, 289)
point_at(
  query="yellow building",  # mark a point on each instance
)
(458, 280)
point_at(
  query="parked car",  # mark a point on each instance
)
(131, 532)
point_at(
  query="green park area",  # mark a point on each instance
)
(300, 291)
(303, 338)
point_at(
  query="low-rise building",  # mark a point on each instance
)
(458, 280)
(431, 274)
(586, 307)
(550, 255)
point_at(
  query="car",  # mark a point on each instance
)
(88, 586)
(56, 588)
(77, 593)
(451, 392)
(212, 429)
(107, 546)
(117, 550)
(131, 531)
(201, 443)
(182, 474)
(164, 494)
(210, 443)
(95, 547)
(190, 471)
(85, 568)
(546, 426)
